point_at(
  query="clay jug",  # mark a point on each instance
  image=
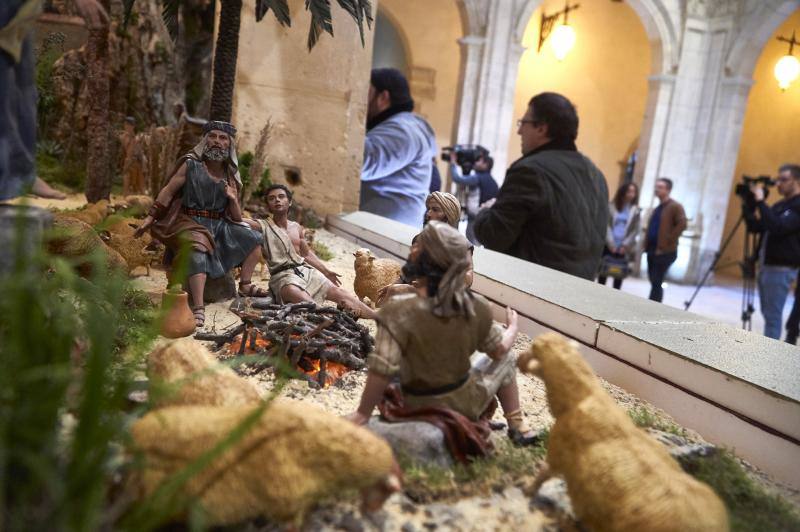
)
(177, 318)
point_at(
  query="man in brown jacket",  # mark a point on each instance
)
(661, 241)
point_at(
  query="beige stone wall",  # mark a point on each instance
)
(605, 76)
(431, 29)
(316, 102)
(770, 136)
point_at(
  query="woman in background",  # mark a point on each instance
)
(624, 225)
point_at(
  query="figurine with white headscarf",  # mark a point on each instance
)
(200, 204)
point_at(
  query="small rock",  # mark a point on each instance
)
(351, 523)
(408, 526)
(407, 506)
(553, 495)
(681, 449)
(419, 441)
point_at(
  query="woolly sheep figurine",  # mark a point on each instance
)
(373, 273)
(118, 235)
(91, 213)
(72, 238)
(619, 479)
(188, 374)
(295, 453)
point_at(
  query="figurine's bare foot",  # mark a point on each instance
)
(43, 190)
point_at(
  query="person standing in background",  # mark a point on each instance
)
(624, 224)
(664, 229)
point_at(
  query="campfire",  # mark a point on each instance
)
(321, 343)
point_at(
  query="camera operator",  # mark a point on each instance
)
(481, 187)
(779, 252)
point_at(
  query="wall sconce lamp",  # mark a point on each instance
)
(787, 69)
(564, 35)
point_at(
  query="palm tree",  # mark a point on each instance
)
(227, 46)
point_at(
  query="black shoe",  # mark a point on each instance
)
(497, 425)
(520, 440)
(791, 338)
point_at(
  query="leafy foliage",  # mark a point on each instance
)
(321, 19)
(750, 507)
(63, 391)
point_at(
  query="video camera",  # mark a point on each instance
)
(466, 155)
(743, 189)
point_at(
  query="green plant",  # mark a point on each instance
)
(59, 170)
(322, 251)
(507, 465)
(58, 340)
(245, 160)
(69, 349)
(266, 182)
(750, 506)
(51, 49)
(644, 418)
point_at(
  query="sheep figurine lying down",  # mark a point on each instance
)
(619, 479)
(293, 455)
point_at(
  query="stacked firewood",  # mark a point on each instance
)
(299, 333)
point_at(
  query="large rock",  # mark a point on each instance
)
(418, 441)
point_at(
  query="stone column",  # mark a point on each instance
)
(489, 82)
(692, 130)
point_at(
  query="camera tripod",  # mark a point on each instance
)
(748, 266)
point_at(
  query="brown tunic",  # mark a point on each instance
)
(435, 353)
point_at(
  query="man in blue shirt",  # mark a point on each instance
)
(481, 187)
(399, 150)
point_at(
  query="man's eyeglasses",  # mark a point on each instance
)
(525, 121)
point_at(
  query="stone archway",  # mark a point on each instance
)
(390, 47)
(492, 50)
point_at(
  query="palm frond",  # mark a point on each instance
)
(320, 20)
(279, 7)
(169, 14)
(360, 10)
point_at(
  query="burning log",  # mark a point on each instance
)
(321, 342)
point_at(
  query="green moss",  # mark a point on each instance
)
(750, 506)
(643, 418)
(508, 465)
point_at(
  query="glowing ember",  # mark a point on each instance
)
(333, 370)
(261, 343)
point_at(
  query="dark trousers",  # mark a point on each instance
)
(793, 323)
(17, 122)
(602, 278)
(657, 266)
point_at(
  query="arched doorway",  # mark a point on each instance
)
(605, 76)
(429, 33)
(389, 48)
(770, 132)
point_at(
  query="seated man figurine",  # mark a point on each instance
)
(439, 207)
(295, 272)
(429, 339)
(200, 203)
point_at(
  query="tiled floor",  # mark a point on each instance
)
(721, 302)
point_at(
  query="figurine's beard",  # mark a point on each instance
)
(213, 153)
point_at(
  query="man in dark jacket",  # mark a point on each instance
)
(553, 206)
(661, 238)
(779, 254)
